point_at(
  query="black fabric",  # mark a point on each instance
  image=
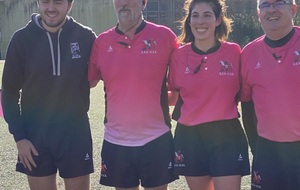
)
(250, 124)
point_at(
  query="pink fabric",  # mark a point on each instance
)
(208, 95)
(133, 76)
(273, 85)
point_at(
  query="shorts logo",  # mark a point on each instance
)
(103, 170)
(75, 50)
(179, 159)
(240, 157)
(256, 179)
(87, 157)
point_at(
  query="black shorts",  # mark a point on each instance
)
(150, 165)
(276, 166)
(65, 148)
(211, 149)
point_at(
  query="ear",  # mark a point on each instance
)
(70, 7)
(294, 9)
(219, 20)
(144, 2)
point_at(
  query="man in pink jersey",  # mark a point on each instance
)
(270, 92)
(132, 60)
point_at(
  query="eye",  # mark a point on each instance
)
(207, 15)
(58, 1)
(279, 4)
(195, 15)
(264, 6)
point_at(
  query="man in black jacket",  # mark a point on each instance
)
(45, 97)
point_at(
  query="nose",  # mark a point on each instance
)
(51, 6)
(271, 8)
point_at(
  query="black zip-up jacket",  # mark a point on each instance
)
(44, 80)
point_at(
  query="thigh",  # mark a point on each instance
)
(227, 182)
(78, 183)
(155, 162)
(191, 157)
(203, 183)
(267, 168)
(45, 163)
(228, 149)
(118, 168)
(45, 183)
(73, 151)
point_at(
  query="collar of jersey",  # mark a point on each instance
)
(281, 42)
(211, 50)
(139, 29)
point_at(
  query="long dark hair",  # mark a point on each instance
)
(219, 8)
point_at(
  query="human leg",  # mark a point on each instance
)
(162, 187)
(227, 182)
(155, 163)
(134, 188)
(78, 183)
(118, 166)
(200, 183)
(45, 183)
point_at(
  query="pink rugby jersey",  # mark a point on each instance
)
(271, 78)
(133, 72)
(208, 83)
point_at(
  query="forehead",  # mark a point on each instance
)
(266, 1)
(201, 7)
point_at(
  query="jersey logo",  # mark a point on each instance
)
(149, 46)
(75, 50)
(297, 58)
(110, 49)
(257, 66)
(226, 68)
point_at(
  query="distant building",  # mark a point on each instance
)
(98, 14)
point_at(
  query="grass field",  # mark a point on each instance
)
(11, 180)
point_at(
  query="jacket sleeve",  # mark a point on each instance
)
(250, 123)
(12, 80)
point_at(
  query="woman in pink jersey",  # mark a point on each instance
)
(211, 149)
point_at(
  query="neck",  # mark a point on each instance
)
(130, 29)
(277, 35)
(205, 45)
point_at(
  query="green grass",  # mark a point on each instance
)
(11, 180)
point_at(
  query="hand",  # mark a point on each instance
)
(172, 97)
(25, 151)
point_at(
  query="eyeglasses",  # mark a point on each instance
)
(277, 5)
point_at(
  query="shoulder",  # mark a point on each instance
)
(181, 51)
(253, 45)
(231, 45)
(107, 35)
(159, 29)
(72, 24)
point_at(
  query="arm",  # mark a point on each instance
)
(93, 83)
(12, 82)
(172, 97)
(250, 123)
